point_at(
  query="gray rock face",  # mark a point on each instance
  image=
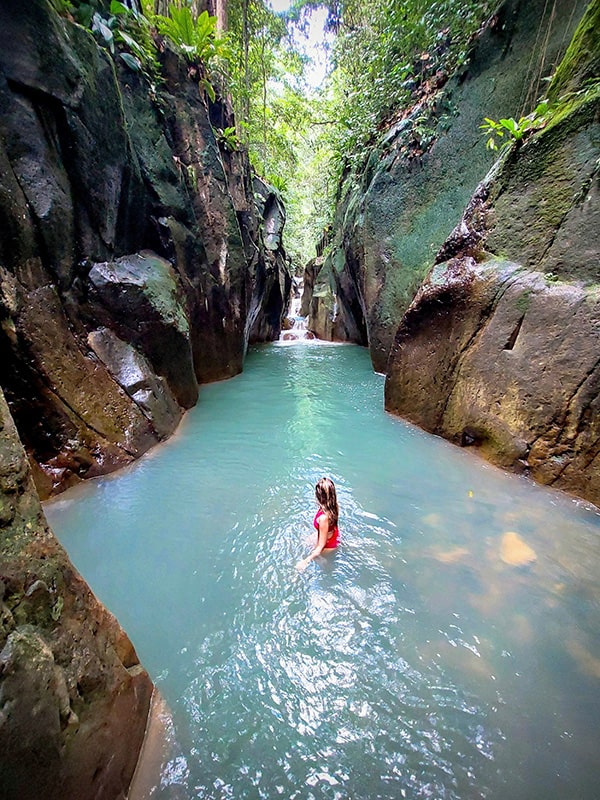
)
(119, 212)
(272, 279)
(135, 375)
(499, 348)
(141, 298)
(412, 193)
(331, 304)
(74, 699)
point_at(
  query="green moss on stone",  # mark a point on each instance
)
(582, 59)
(524, 301)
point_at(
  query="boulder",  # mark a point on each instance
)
(135, 375)
(140, 297)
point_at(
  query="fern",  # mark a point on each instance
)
(198, 40)
(178, 27)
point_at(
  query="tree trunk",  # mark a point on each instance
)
(218, 9)
(161, 7)
(246, 58)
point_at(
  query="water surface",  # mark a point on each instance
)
(414, 662)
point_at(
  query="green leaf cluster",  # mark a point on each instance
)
(122, 30)
(197, 39)
(228, 138)
(515, 130)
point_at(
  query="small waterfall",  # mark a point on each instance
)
(296, 329)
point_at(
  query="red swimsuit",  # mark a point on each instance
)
(334, 535)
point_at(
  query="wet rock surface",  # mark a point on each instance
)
(393, 218)
(272, 278)
(121, 212)
(499, 349)
(73, 697)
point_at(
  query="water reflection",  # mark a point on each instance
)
(448, 650)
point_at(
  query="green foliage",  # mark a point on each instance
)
(83, 13)
(278, 183)
(123, 31)
(198, 39)
(228, 138)
(515, 130)
(551, 277)
(64, 7)
(387, 55)
(104, 30)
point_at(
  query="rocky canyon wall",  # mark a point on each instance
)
(132, 261)
(500, 348)
(73, 697)
(392, 219)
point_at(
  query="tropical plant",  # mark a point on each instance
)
(197, 39)
(228, 138)
(514, 130)
(278, 183)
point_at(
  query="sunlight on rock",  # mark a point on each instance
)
(515, 552)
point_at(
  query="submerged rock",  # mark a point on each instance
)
(515, 552)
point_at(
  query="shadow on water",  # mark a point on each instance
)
(449, 649)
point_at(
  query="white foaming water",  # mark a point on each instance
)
(414, 662)
(298, 331)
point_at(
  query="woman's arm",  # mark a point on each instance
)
(319, 547)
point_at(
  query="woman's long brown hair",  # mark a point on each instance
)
(327, 499)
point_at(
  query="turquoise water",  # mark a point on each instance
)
(414, 662)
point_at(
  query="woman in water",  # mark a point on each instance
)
(326, 521)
